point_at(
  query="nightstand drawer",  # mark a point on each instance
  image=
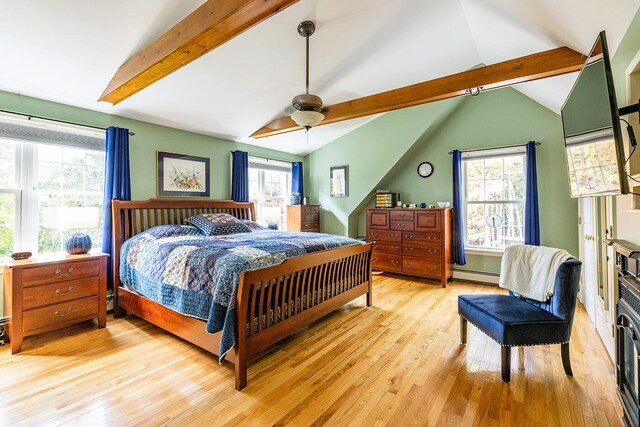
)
(61, 272)
(311, 225)
(310, 210)
(39, 296)
(60, 314)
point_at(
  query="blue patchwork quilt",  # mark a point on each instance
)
(198, 275)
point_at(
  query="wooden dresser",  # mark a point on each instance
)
(411, 241)
(52, 292)
(303, 218)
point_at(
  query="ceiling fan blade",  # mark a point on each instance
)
(540, 65)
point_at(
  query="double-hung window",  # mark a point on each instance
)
(43, 169)
(493, 198)
(269, 190)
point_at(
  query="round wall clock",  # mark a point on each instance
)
(425, 169)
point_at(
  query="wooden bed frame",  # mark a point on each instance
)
(324, 280)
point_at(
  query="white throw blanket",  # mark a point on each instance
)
(530, 271)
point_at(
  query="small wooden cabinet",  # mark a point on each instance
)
(52, 292)
(411, 241)
(303, 218)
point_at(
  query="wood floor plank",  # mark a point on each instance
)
(399, 362)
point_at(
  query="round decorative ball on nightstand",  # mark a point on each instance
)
(78, 243)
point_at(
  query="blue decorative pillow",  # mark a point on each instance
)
(253, 225)
(218, 224)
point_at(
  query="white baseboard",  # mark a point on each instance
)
(476, 276)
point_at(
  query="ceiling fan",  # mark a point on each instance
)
(306, 108)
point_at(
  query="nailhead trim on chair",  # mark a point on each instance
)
(505, 345)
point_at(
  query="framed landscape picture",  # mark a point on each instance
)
(180, 175)
(339, 181)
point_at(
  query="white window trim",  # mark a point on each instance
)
(486, 154)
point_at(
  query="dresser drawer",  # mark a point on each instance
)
(58, 314)
(384, 236)
(386, 262)
(387, 248)
(62, 272)
(418, 237)
(421, 266)
(311, 217)
(310, 209)
(402, 225)
(428, 221)
(38, 296)
(378, 219)
(422, 251)
(310, 225)
(400, 215)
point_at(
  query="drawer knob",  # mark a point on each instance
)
(409, 263)
(402, 214)
(403, 224)
(374, 234)
(63, 292)
(59, 313)
(394, 236)
(394, 262)
(432, 267)
(375, 260)
(409, 249)
(394, 248)
(409, 236)
(64, 273)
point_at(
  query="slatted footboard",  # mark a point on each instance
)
(274, 302)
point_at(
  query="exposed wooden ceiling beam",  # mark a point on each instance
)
(541, 65)
(211, 25)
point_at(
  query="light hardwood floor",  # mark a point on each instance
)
(399, 362)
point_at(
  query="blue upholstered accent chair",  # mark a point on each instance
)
(515, 321)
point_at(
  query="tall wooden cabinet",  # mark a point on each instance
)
(416, 242)
(303, 218)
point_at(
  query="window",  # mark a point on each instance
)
(269, 190)
(36, 177)
(494, 198)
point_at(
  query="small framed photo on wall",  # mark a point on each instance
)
(180, 175)
(339, 181)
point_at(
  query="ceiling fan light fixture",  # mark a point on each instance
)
(307, 119)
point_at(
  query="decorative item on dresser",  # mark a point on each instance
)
(54, 291)
(303, 218)
(411, 241)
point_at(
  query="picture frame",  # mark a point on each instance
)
(182, 175)
(339, 181)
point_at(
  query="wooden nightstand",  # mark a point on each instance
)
(53, 291)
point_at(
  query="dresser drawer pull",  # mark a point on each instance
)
(375, 260)
(409, 236)
(409, 249)
(61, 314)
(432, 251)
(432, 267)
(63, 292)
(374, 234)
(394, 262)
(64, 273)
(401, 214)
(403, 224)
(395, 236)
(394, 248)
(409, 263)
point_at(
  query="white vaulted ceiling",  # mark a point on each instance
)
(68, 50)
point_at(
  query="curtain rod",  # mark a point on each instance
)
(265, 158)
(494, 148)
(32, 116)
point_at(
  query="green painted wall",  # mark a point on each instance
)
(148, 138)
(371, 151)
(495, 118)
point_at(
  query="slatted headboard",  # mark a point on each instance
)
(134, 217)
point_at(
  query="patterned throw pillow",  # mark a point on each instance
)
(218, 224)
(253, 226)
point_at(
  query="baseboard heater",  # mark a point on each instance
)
(476, 276)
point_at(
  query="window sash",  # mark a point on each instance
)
(488, 155)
